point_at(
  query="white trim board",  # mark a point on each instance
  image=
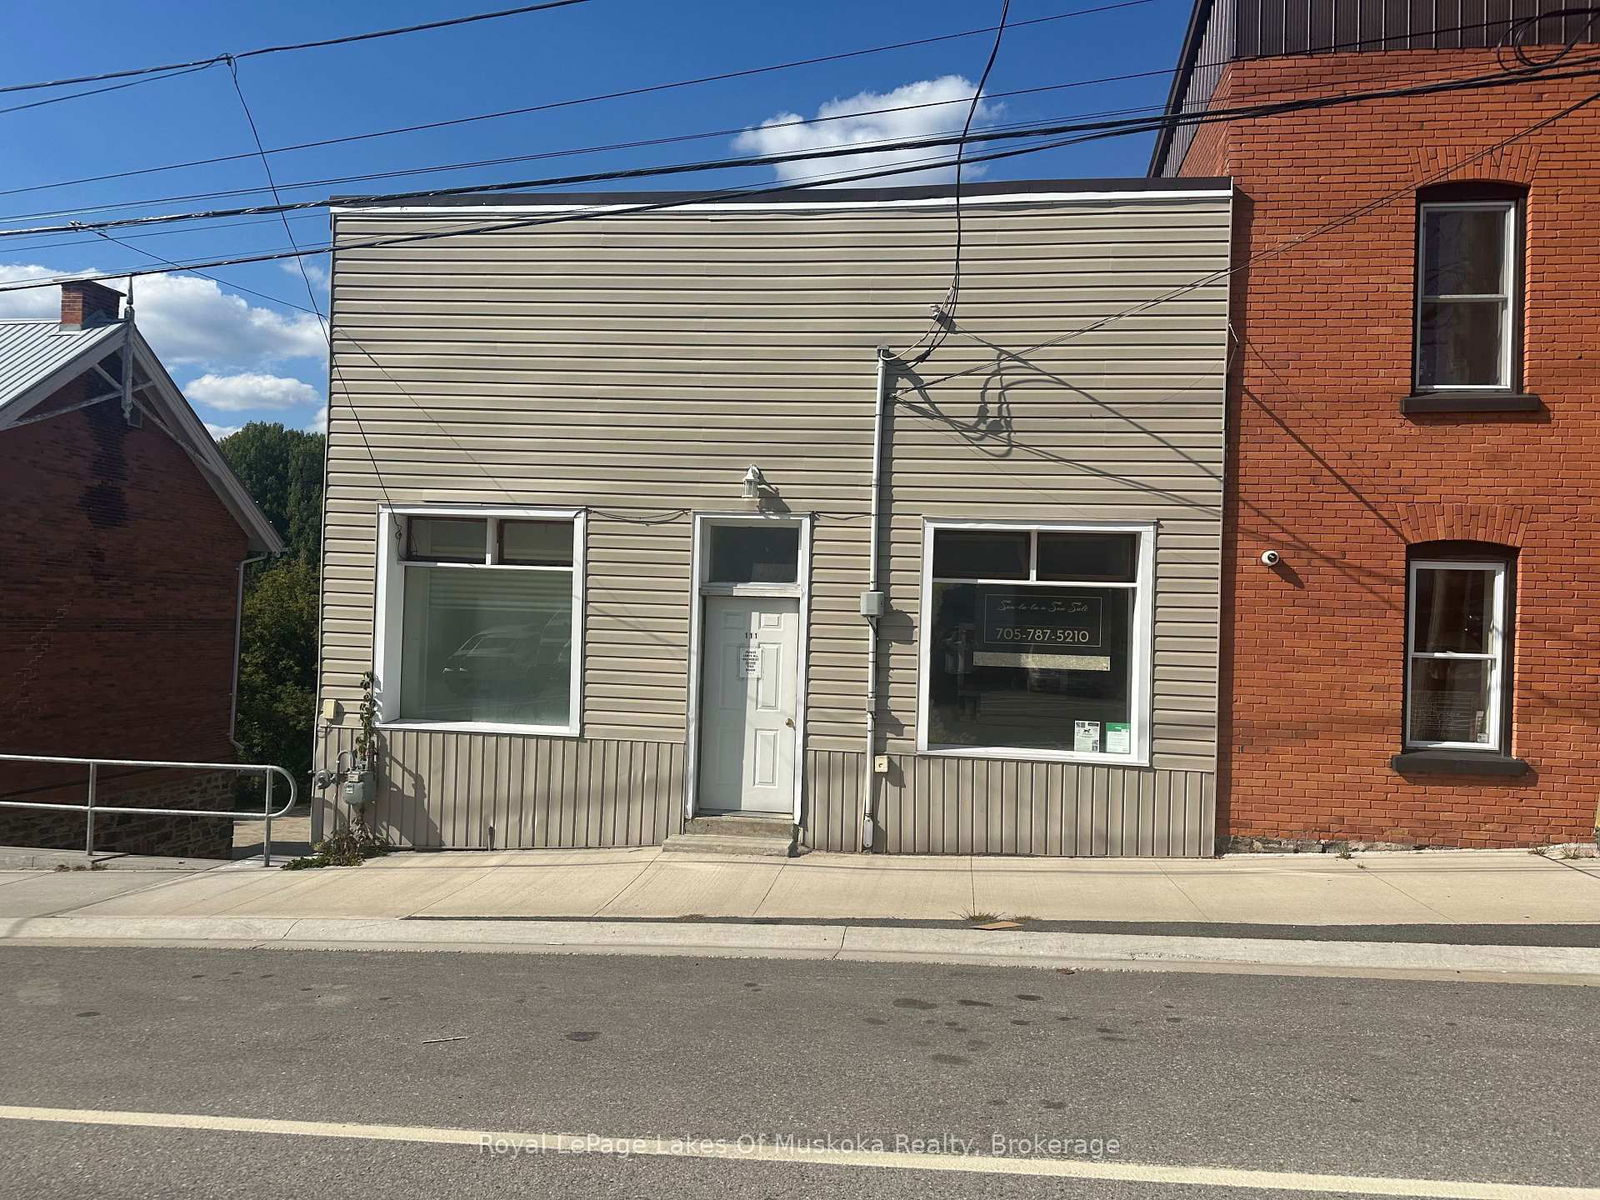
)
(388, 599)
(1141, 671)
(698, 590)
(459, 211)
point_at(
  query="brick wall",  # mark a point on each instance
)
(1329, 472)
(118, 578)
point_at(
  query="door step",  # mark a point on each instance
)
(769, 837)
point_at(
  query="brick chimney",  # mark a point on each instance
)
(85, 304)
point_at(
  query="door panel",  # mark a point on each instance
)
(748, 701)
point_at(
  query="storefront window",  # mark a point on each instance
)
(486, 610)
(1034, 642)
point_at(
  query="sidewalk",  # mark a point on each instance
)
(594, 899)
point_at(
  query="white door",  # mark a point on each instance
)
(747, 704)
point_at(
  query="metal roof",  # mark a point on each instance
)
(37, 357)
(33, 351)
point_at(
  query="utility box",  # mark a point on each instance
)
(356, 791)
(874, 604)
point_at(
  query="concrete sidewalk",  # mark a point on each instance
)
(1435, 914)
(1422, 888)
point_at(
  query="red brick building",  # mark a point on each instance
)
(1415, 416)
(122, 531)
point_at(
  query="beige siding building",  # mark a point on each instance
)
(605, 473)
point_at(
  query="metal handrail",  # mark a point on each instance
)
(266, 814)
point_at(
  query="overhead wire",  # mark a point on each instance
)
(1093, 130)
(944, 314)
(287, 47)
(1214, 277)
(305, 275)
(405, 129)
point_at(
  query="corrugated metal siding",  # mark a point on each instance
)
(638, 365)
(1275, 27)
(932, 805)
(488, 791)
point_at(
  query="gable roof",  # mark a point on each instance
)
(38, 357)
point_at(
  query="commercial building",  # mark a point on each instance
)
(644, 537)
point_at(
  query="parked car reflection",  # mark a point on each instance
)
(506, 659)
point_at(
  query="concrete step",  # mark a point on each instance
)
(734, 835)
(735, 825)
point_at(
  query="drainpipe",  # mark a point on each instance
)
(873, 603)
(238, 640)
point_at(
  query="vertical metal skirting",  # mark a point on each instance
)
(474, 791)
(450, 790)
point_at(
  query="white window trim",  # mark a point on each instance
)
(1507, 298)
(1495, 722)
(1142, 635)
(699, 588)
(389, 600)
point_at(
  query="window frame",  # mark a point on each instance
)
(389, 601)
(1511, 205)
(1498, 721)
(1141, 635)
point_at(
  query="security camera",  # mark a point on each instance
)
(1271, 558)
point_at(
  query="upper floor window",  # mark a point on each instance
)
(1469, 302)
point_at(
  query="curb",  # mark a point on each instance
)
(1090, 951)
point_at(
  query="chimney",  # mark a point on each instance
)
(85, 304)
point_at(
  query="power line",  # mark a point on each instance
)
(1097, 131)
(615, 95)
(329, 181)
(287, 47)
(946, 313)
(1217, 276)
(115, 87)
(1107, 128)
(675, 139)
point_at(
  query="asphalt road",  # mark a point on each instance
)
(1461, 1082)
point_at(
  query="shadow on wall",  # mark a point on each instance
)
(992, 427)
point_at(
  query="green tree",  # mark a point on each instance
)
(282, 469)
(278, 665)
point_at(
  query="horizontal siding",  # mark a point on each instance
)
(636, 366)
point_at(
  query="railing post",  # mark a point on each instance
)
(88, 824)
(266, 830)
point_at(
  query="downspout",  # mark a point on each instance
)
(872, 601)
(238, 645)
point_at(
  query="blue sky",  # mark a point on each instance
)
(240, 357)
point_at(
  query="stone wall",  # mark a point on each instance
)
(181, 837)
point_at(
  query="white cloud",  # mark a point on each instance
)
(187, 319)
(34, 302)
(318, 423)
(192, 320)
(218, 432)
(942, 108)
(250, 390)
(316, 270)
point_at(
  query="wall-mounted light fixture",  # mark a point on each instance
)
(754, 481)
